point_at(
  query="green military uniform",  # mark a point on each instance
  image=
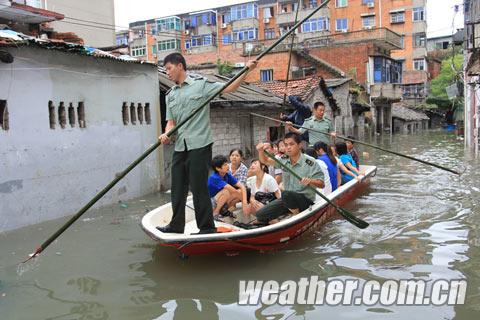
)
(296, 195)
(193, 150)
(324, 125)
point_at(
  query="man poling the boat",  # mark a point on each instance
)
(365, 144)
(297, 196)
(193, 143)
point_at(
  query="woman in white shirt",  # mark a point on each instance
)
(261, 182)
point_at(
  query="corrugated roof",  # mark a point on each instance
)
(399, 111)
(9, 38)
(247, 93)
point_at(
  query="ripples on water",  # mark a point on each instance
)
(423, 225)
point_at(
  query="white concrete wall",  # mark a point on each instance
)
(45, 173)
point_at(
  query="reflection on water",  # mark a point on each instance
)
(423, 225)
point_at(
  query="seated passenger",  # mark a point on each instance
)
(281, 151)
(236, 167)
(263, 186)
(324, 154)
(298, 194)
(351, 171)
(352, 151)
(224, 189)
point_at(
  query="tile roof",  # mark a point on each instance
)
(400, 111)
(247, 93)
(301, 88)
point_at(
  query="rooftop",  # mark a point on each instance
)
(400, 111)
(27, 14)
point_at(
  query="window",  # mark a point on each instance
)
(227, 38)
(269, 34)
(81, 115)
(418, 14)
(4, 125)
(245, 34)
(140, 113)
(368, 21)
(168, 24)
(266, 75)
(199, 41)
(397, 17)
(125, 113)
(314, 25)
(386, 70)
(402, 41)
(167, 45)
(312, 3)
(442, 45)
(226, 18)
(62, 117)
(419, 64)
(419, 39)
(148, 116)
(244, 11)
(268, 13)
(71, 115)
(341, 3)
(138, 51)
(366, 2)
(51, 114)
(133, 114)
(342, 24)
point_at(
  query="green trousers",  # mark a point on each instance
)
(190, 169)
(279, 207)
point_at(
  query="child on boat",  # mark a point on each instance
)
(263, 186)
(224, 189)
(236, 166)
(350, 170)
(325, 155)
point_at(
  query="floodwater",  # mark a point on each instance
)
(423, 225)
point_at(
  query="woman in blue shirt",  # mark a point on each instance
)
(325, 154)
(350, 170)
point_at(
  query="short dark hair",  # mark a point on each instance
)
(295, 136)
(311, 152)
(176, 59)
(318, 104)
(262, 165)
(218, 162)
(350, 139)
(341, 148)
(240, 152)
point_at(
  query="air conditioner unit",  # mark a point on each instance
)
(371, 4)
(239, 64)
(224, 25)
(187, 32)
(266, 20)
(368, 27)
(344, 30)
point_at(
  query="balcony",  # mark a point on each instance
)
(386, 91)
(19, 11)
(382, 37)
(245, 23)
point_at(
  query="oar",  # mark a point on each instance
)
(169, 134)
(344, 213)
(365, 144)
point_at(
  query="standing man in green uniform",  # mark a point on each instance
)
(297, 195)
(316, 122)
(193, 144)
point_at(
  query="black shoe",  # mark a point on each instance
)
(169, 229)
(206, 231)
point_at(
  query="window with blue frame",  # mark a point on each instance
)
(168, 24)
(199, 41)
(244, 11)
(342, 24)
(207, 18)
(245, 34)
(386, 70)
(314, 25)
(227, 38)
(266, 75)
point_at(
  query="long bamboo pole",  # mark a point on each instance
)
(119, 177)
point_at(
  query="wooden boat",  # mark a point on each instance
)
(232, 239)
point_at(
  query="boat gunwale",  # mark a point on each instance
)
(243, 234)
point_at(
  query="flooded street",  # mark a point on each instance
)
(424, 224)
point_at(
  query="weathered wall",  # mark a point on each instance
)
(49, 173)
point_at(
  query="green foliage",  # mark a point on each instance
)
(447, 77)
(224, 68)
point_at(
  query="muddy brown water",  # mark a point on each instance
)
(423, 225)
